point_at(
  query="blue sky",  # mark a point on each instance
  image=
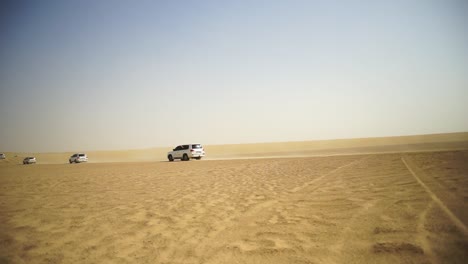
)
(99, 75)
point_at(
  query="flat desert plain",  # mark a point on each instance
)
(367, 208)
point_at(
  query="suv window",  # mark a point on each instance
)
(185, 146)
(74, 155)
(178, 148)
(197, 146)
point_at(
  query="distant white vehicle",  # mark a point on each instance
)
(78, 157)
(186, 152)
(29, 160)
(2, 156)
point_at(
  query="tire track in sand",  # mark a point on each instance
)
(459, 224)
(258, 208)
(247, 218)
(309, 183)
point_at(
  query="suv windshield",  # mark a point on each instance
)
(82, 155)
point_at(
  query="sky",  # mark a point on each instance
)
(109, 75)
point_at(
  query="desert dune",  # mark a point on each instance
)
(432, 142)
(381, 207)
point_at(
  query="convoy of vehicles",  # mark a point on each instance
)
(181, 152)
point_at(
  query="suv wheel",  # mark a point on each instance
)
(185, 157)
(70, 161)
(170, 158)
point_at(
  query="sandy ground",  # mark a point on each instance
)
(379, 208)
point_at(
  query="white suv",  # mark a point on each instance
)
(78, 157)
(29, 160)
(186, 152)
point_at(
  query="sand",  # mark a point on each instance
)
(407, 207)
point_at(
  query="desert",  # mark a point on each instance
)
(237, 132)
(390, 206)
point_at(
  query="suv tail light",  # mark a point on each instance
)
(191, 150)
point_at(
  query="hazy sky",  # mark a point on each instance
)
(95, 75)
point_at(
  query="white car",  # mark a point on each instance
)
(2, 156)
(78, 157)
(186, 152)
(29, 160)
